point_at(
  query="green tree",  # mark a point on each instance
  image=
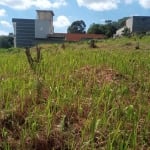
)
(122, 22)
(109, 28)
(78, 26)
(6, 42)
(126, 32)
(96, 29)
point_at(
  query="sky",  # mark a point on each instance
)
(68, 11)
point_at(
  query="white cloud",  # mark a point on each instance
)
(3, 32)
(129, 1)
(145, 3)
(5, 23)
(104, 5)
(2, 12)
(99, 5)
(61, 21)
(26, 4)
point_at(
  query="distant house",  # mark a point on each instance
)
(136, 24)
(26, 31)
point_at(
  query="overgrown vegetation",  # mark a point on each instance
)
(109, 28)
(6, 42)
(90, 98)
(77, 27)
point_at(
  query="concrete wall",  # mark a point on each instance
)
(27, 30)
(119, 32)
(24, 32)
(14, 26)
(42, 28)
(79, 36)
(138, 24)
(45, 15)
(141, 24)
(129, 24)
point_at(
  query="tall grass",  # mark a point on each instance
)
(91, 99)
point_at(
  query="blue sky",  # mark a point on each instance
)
(67, 11)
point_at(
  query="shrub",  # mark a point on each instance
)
(6, 42)
(92, 44)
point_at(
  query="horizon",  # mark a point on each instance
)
(66, 12)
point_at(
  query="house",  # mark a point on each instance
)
(26, 31)
(136, 24)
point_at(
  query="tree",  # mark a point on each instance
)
(96, 29)
(108, 21)
(126, 32)
(122, 22)
(78, 26)
(6, 42)
(109, 28)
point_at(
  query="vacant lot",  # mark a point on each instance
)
(78, 98)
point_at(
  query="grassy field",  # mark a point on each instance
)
(87, 98)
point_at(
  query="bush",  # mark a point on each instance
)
(92, 44)
(126, 32)
(6, 42)
(148, 33)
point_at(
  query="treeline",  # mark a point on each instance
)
(108, 29)
(6, 41)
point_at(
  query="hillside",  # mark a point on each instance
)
(86, 98)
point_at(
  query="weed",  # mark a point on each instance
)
(76, 98)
